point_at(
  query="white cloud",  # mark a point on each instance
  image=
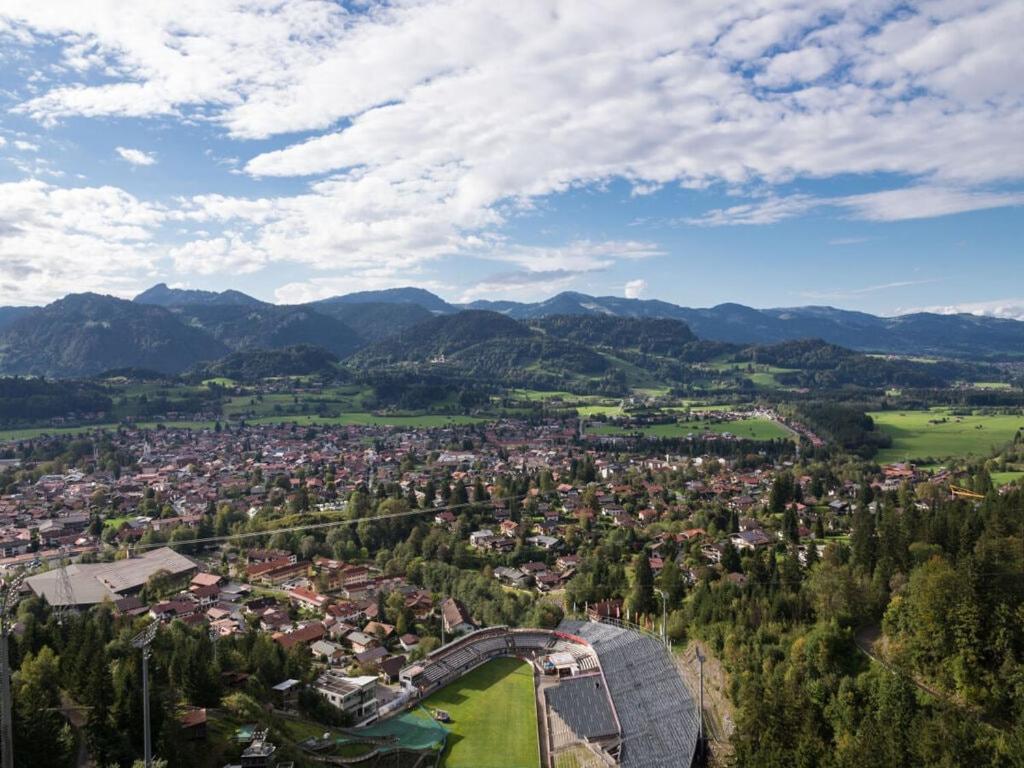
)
(55, 241)
(578, 256)
(802, 65)
(767, 211)
(924, 202)
(1010, 309)
(856, 292)
(25, 146)
(136, 156)
(916, 202)
(431, 124)
(226, 255)
(634, 289)
(522, 285)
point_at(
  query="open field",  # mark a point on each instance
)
(914, 437)
(360, 418)
(543, 394)
(30, 432)
(1002, 478)
(371, 419)
(752, 429)
(594, 410)
(494, 717)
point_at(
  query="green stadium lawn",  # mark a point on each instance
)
(494, 717)
(913, 437)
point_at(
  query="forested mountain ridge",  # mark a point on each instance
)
(443, 335)
(85, 334)
(656, 336)
(816, 364)
(256, 365)
(374, 320)
(343, 324)
(918, 333)
(270, 326)
(164, 296)
(418, 296)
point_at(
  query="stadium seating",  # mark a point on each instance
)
(656, 711)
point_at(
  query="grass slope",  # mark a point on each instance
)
(913, 437)
(494, 717)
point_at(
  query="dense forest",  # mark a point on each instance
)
(25, 398)
(845, 425)
(254, 366)
(944, 581)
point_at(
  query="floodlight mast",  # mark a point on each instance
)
(700, 712)
(8, 599)
(664, 616)
(143, 641)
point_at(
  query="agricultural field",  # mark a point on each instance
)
(543, 394)
(586, 411)
(936, 433)
(372, 419)
(27, 433)
(302, 420)
(1002, 478)
(752, 429)
(494, 717)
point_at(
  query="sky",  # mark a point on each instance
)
(857, 153)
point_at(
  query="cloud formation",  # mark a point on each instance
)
(55, 240)
(135, 156)
(427, 126)
(634, 289)
(1009, 309)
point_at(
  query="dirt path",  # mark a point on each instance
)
(76, 716)
(719, 722)
(870, 642)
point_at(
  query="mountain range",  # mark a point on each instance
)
(170, 329)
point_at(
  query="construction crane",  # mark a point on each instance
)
(8, 600)
(964, 493)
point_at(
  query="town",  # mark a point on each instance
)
(356, 551)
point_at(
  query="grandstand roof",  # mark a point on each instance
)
(656, 711)
(582, 702)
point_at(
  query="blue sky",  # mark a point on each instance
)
(858, 154)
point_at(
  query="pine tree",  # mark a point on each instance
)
(641, 601)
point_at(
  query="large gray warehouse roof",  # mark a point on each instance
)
(93, 583)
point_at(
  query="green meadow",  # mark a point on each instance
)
(915, 437)
(752, 429)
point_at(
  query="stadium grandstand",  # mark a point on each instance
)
(463, 655)
(657, 716)
(610, 695)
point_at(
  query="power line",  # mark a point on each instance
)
(321, 526)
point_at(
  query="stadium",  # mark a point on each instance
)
(586, 694)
